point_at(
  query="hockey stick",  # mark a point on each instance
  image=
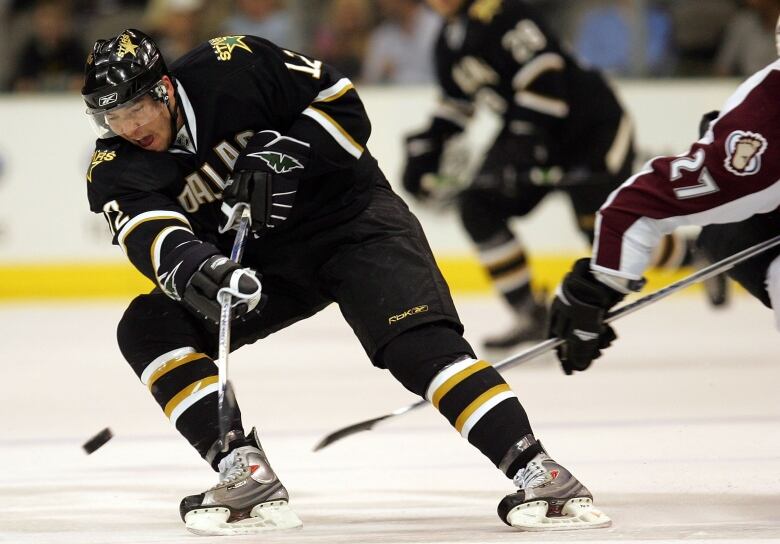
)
(226, 405)
(704, 274)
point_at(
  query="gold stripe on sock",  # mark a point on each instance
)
(455, 380)
(186, 392)
(170, 365)
(477, 402)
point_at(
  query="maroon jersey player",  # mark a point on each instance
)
(728, 179)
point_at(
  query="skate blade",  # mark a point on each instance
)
(577, 513)
(269, 516)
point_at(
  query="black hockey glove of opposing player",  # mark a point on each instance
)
(265, 176)
(577, 316)
(216, 277)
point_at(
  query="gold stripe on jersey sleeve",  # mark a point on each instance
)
(339, 128)
(170, 365)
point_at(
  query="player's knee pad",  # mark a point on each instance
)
(479, 216)
(154, 325)
(415, 356)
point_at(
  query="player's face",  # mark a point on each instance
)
(445, 7)
(144, 122)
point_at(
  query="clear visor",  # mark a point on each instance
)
(127, 119)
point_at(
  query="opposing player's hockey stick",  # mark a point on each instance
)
(543, 347)
(226, 405)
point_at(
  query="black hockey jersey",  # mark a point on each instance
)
(230, 88)
(502, 52)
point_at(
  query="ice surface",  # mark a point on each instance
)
(676, 431)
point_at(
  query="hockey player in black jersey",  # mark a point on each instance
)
(563, 128)
(240, 120)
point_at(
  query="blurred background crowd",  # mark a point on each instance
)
(45, 42)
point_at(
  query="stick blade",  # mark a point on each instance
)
(349, 430)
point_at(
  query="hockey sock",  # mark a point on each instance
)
(185, 385)
(477, 401)
(504, 259)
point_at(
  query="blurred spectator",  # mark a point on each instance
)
(174, 25)
(749, 43)
(341, 41)
(623, 39)
(51, 58)
(697, 29)
(5, 40)
(269, 19)
(400, 50)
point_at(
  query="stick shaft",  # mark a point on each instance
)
(224, 404)
(700, 275)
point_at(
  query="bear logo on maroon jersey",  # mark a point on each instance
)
(743, 152)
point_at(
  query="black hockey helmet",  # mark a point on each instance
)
(121, 69)
(119, 73)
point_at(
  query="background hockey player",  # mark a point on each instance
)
(729, 179)
(240, 120)
(562, 128)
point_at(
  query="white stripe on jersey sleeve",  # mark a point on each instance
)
(536, 67)
(645, 234)
(334, 91)
(542, 104)
(154, 215)
(157, 245)
(336, 131)
(747, 86)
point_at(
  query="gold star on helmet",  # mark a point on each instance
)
(126, 45)
(236, 41)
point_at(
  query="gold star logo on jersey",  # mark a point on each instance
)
(126, 46)
(224, 46)
(485, 10)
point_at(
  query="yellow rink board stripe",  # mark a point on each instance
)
(95, 280)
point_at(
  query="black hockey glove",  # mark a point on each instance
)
(423, 156)
(265, 176)
(577, 316)
(706, 119)
(217, 276)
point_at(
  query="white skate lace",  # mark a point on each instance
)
(231, 468)
(533, 475)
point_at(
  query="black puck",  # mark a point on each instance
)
(98, 440)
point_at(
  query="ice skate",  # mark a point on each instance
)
(248, 499)
(529, 326)
(550, 499)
